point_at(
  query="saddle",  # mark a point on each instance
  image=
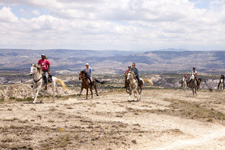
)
(49, 78)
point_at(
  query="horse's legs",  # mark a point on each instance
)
(53, 90)
(87, 93)
(130, 93)
(139, 97)
(81, 90)
(91, 92)
(96, 89)
(193, 92)
(43, 96)
(33, 90)
(38, 90)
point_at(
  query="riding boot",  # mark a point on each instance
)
(139, 84)
(91, 83)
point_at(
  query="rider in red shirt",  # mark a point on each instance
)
(45, 66)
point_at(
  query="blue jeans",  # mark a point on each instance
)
(138, 79)
(46, 75)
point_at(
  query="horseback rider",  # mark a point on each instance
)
(45, 66)
(221, 81)
(128, 69)
(88, 70)
(185, 77)
(135, 70)
(195, 73)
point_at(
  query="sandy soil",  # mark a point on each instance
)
(162, 120)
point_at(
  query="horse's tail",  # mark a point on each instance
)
(62, 83)
(148, 80)
(101, 82)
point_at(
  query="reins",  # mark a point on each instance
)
(36, 81)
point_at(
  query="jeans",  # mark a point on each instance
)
(90, 78)
(46, 75)
(138, 79)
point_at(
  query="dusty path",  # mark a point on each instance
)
(163, 120)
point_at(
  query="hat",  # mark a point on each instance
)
(42, 54)
(87, 64)
(129, 66)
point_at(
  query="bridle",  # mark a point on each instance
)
(36, 81)
(82, 75)
(129, 74)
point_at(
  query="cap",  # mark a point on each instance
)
(42, 54)
(129, 66)
(87, 64)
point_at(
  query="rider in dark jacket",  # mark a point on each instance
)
(221, 81)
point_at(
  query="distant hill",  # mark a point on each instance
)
(169, 60)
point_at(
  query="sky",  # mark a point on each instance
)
(135, 25)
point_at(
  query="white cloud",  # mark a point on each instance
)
(36, 12)
(118, 24)
(7, 16)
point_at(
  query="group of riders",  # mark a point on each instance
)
(45, 66)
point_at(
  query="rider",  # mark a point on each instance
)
(195, 73)
(45, 66)
(221, 80)
(128, 69)
(135, 70)
(185, 76)
(184, 79)
(89, 73)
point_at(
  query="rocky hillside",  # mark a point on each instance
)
(21, 89)
(108, 62)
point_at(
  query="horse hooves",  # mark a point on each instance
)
(97, 95)
(41, 101)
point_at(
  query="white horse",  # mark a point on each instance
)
(221, 84)
(39, 83)
(184, 83)
(133, 85)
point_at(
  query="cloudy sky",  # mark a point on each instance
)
(113, 24)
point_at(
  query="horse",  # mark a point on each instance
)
(221, 85)
(127, 84)
(39, 83)
(134, 87)
(194, 84)
(184, 83)
(86, 84)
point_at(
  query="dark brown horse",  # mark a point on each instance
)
(86, 84)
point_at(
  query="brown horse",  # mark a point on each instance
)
(86, 84)
(194, 83)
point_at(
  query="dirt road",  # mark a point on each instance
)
(162, 120)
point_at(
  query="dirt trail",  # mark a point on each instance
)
(163, 119)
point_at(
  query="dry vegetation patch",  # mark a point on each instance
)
(192, 110)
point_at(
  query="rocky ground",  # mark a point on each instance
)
(163, 119)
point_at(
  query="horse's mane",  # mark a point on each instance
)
(84, 72)
(39, 68)
(132, 74)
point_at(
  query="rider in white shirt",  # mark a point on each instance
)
(195, 73)
(195, 77)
